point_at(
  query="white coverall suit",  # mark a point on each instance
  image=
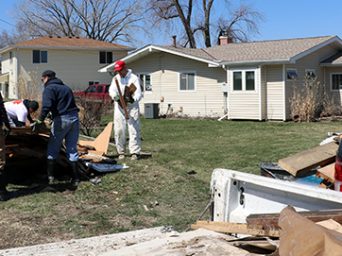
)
(120, 121)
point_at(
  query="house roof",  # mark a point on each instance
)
(269, 51)
(49, 42)
(272, 51)
(335, 60)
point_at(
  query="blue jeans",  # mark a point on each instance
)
(64, 127)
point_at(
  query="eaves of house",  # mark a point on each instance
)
(66, 43)
(251, 53)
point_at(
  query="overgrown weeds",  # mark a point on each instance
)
(311, 101)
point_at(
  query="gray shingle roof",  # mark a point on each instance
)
(262, 51)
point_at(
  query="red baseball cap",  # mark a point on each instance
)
(119, 65)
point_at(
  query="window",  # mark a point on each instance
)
(237, 81)
(39, 56)
(291, 74)
(310, 74)
(99, 89)
(187, 81)
(145, 80)
(93, 82)
(250, 80)
(336, 81)
(244, 80)
(106, 57)
(91, 89)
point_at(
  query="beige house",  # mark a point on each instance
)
(75, 60)
(244, 80)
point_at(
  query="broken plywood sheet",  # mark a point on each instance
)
(300, 236)
(308, 159)
(101, 142)
(89, 246)
(198, 242)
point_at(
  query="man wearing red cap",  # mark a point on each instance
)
(123, 79)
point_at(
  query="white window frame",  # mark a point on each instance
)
(310, 70)
(143, 81)
(243, 77)
(195, 80)
(331, 85)
(40, 57)
(291, 79)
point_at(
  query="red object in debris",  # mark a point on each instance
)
(338, 169)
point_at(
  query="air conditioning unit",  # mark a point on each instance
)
(151, 110)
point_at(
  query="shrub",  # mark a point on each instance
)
(311, 101)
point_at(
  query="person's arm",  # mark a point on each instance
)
(137, 95)
(113, 92)
(46, 104)
(3, 113)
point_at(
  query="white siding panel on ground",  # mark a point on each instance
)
(205, 101)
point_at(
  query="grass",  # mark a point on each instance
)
(158, 190)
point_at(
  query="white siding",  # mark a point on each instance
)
(335, 95)
(75, 67)
(274, 92)
(244, 104)
(206, 100)
(312, 61)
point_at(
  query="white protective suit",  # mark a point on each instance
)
(120, 121)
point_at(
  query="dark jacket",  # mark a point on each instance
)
(3, 113)
(57, 98)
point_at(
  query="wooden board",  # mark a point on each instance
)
(101, 142)
(327, 172)
(270, 221)
(236, 228)
(308, 159)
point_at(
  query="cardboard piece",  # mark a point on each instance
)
(300, 236)
(101, 142)
(308, 159)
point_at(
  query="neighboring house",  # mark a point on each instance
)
(75, 60)
(252, 80)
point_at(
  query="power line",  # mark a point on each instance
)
(4, 21)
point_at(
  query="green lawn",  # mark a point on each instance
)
(159, 190)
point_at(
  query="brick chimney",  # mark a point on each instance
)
(223, 40)
(174, 41)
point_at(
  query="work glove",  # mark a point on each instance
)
(36, 124)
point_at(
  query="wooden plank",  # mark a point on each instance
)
(270, 221)
(236, 228)
(101, 142)
(308, 159)
(327, 172)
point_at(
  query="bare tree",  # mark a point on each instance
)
(197, 20)
(106, 20)
(242, 23)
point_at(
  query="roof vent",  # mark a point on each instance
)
(51, 36)
(58, 36)
(70, 36)
(77, 37)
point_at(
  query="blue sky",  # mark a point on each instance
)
(282, 18)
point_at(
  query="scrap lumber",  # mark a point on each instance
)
(101, 142)
(308, 159)
(327, 172)
(270, 221)
(301, 236)
(234, 228)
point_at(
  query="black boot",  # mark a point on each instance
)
(3, 192)
(50, 171)
(75, 181)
